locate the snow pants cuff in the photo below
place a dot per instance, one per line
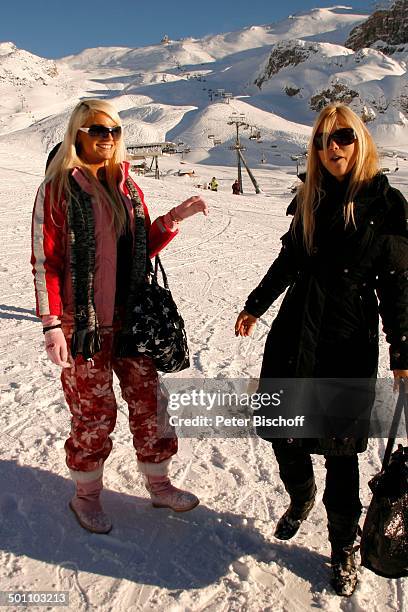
(154, 469)
(78, 476)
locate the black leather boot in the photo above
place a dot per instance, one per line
(302, 498)
(342, 533)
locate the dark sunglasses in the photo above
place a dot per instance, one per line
(343, 136)
(102, 131)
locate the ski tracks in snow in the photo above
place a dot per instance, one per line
(222, 556)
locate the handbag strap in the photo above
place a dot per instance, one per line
(141, 240)
(158, 264)
(402, 404)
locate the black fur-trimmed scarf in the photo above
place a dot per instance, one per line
(86, 338)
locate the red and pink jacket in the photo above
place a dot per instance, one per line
(50, 255)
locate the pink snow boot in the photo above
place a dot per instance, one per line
(164, 495)
(87, 508)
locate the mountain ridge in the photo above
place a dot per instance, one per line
(170, 89)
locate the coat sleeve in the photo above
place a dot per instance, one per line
(47, 253)
(159, 235)
(392, 283)
(279, 276)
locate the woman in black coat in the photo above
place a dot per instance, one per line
(345, 260)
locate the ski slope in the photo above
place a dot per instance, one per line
(222, 555)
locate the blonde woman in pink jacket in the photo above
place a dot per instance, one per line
(83, 254)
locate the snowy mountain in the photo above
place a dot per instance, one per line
(19, 67)
(317, 22)
(313, 74)
(280, 73)
(388, 26)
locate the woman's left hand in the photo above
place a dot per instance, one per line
(400, 375)
(190, 207)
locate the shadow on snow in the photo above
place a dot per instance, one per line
(146, 545)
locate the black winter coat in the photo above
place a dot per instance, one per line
(327, 325)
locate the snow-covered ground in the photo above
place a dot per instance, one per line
(222, 556)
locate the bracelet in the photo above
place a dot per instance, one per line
(50, 327)
(168, 222)
(173, 215)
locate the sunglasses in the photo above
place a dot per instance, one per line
(102, 131)
(343, 136)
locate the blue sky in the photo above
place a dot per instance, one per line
(54, 28)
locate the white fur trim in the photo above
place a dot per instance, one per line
(86, 476)
(154, 469)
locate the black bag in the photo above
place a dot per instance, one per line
(156, 327)
(384, 541)
(153, 326)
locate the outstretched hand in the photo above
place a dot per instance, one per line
(191, 207)
(245, 324)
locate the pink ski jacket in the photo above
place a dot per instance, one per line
(50, 257)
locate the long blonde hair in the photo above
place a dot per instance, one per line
(67, 158)
(366, 166)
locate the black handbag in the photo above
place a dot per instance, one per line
(153, 326)
(384, 540)
(156, 326)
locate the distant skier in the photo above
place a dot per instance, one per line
(235, 188)
(345, 260)
(86, 232)
(214, 184)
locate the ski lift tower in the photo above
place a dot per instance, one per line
(239, 121)
(300, 160)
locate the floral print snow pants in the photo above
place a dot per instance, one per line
(89, 393)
